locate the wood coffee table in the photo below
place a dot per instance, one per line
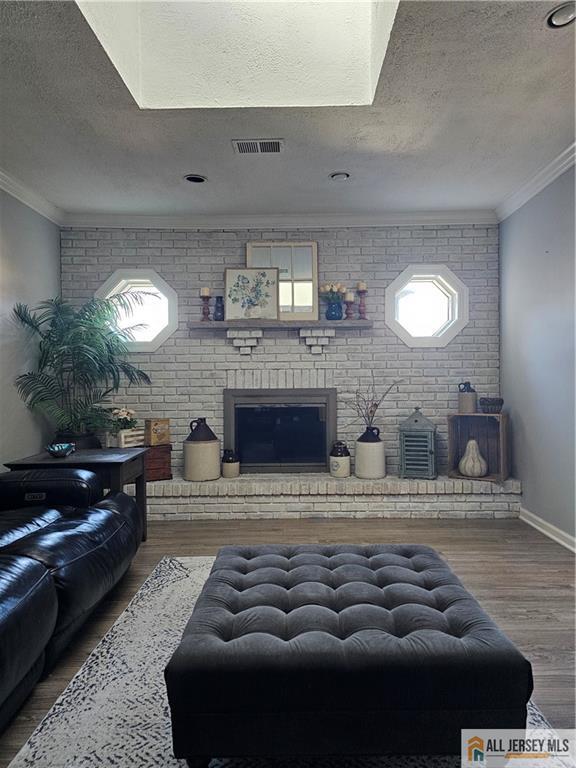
(115, 467)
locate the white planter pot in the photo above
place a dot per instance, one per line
(370, 462)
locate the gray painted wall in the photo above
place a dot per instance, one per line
(537, 337)
(29, 272)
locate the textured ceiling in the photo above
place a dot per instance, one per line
(473, 99)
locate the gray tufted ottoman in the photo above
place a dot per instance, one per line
(339, 650)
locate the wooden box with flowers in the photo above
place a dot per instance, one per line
(124, 433)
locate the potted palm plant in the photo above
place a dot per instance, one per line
(82, 361)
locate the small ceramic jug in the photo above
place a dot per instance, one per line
(466, 398)
(473, 464)
(340, 460)
(230, 464)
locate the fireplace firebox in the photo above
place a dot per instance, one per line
(280, 430)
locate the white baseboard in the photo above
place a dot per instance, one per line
(553, 532)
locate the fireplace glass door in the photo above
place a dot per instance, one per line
(280, 433)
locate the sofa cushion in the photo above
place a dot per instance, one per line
(17, 523)
(28, 610)
(53, 487)
(86, 552)
(331, 628)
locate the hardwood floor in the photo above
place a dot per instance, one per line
(524, 580)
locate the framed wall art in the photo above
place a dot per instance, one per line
(251, 294)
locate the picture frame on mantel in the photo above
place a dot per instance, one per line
(251, 294)
(297, 263)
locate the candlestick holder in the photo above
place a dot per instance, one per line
(205, 308)
(349, 310)
(362, 305)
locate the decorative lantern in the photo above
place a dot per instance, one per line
(417, 447)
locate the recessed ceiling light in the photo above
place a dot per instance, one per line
(340, 176)
(562, 15)
(195, 178)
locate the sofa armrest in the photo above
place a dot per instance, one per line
(49, 487)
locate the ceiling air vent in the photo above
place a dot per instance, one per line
(258, 146)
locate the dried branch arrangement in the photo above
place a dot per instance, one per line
(366, 402)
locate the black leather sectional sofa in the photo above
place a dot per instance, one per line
(62, 548)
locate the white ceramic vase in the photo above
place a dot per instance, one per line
(473, 464)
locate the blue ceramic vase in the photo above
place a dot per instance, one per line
(334, 310)
(219, 308)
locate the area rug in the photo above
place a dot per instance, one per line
(114, 713)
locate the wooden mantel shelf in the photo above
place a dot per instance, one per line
(246, 334)
(279, 325)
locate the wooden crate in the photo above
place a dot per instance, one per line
(158, 463)
(490, 430)
(157, 431)
(131, 438)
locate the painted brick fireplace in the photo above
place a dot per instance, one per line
(191, 370)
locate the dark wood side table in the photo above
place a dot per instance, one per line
(115, 467)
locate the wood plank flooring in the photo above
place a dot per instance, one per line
(524, 580)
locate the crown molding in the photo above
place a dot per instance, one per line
(537, 183)
(516, 200)
(25, 195)
(281, 221)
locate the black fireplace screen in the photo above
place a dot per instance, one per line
(279, 430)
(281, 434)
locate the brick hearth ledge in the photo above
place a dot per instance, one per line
(317, 495)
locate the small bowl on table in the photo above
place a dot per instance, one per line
(491, 404)
(60, 450)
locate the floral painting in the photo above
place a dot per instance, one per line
(252, 294)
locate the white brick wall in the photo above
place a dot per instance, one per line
(189, 372)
